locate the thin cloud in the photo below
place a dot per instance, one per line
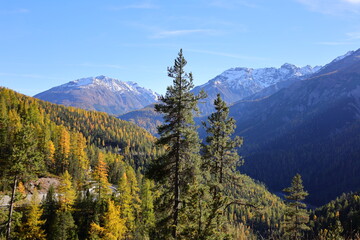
(333, 7)
(15, 11)
(352, 1)
(176, 33)
(225, 54)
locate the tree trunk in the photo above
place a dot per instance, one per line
(177, 191)
(8, 228)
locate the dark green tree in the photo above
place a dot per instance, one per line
(221, 161)
(296, 215)
(50, 206)
(64, 227)
(178, 168)
(146, 221)
(24, 163)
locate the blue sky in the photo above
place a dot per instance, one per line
(47, 43)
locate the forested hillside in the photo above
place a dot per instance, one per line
(87, 152)
(110, 179)
(146, 118)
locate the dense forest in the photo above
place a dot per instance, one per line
(110, 179)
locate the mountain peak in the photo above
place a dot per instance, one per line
(343, 56)
(288, 65)
(259, 78)
(101, 93)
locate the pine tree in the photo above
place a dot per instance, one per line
(178, 168)
(296, 215)
(220, 160)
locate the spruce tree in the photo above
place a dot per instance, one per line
(220, 160)
(178, 168)
(296, 215)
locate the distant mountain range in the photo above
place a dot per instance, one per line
(101, 94)
(234, 84)
(116, 97)
(238, 83)
(312, 127)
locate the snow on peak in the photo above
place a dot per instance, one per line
(257, 79)
(112, 84)
(343, 56)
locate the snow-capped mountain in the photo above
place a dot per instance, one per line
(238, 83)
(100, 93)
(311, 126)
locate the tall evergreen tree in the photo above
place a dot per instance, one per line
(220, 160)
(296, 215)
(24, 162)
(49, 205)
(178, 168)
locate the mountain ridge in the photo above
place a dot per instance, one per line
(312, 124)
(100, 93)
(238, 83)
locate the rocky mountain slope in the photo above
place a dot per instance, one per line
(101, 94)
(238, 83)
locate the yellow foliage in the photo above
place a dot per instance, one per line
(32, 227)
(100, 176)
(51, 151)
(113, 226)
(67, 193)
(21, 189)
